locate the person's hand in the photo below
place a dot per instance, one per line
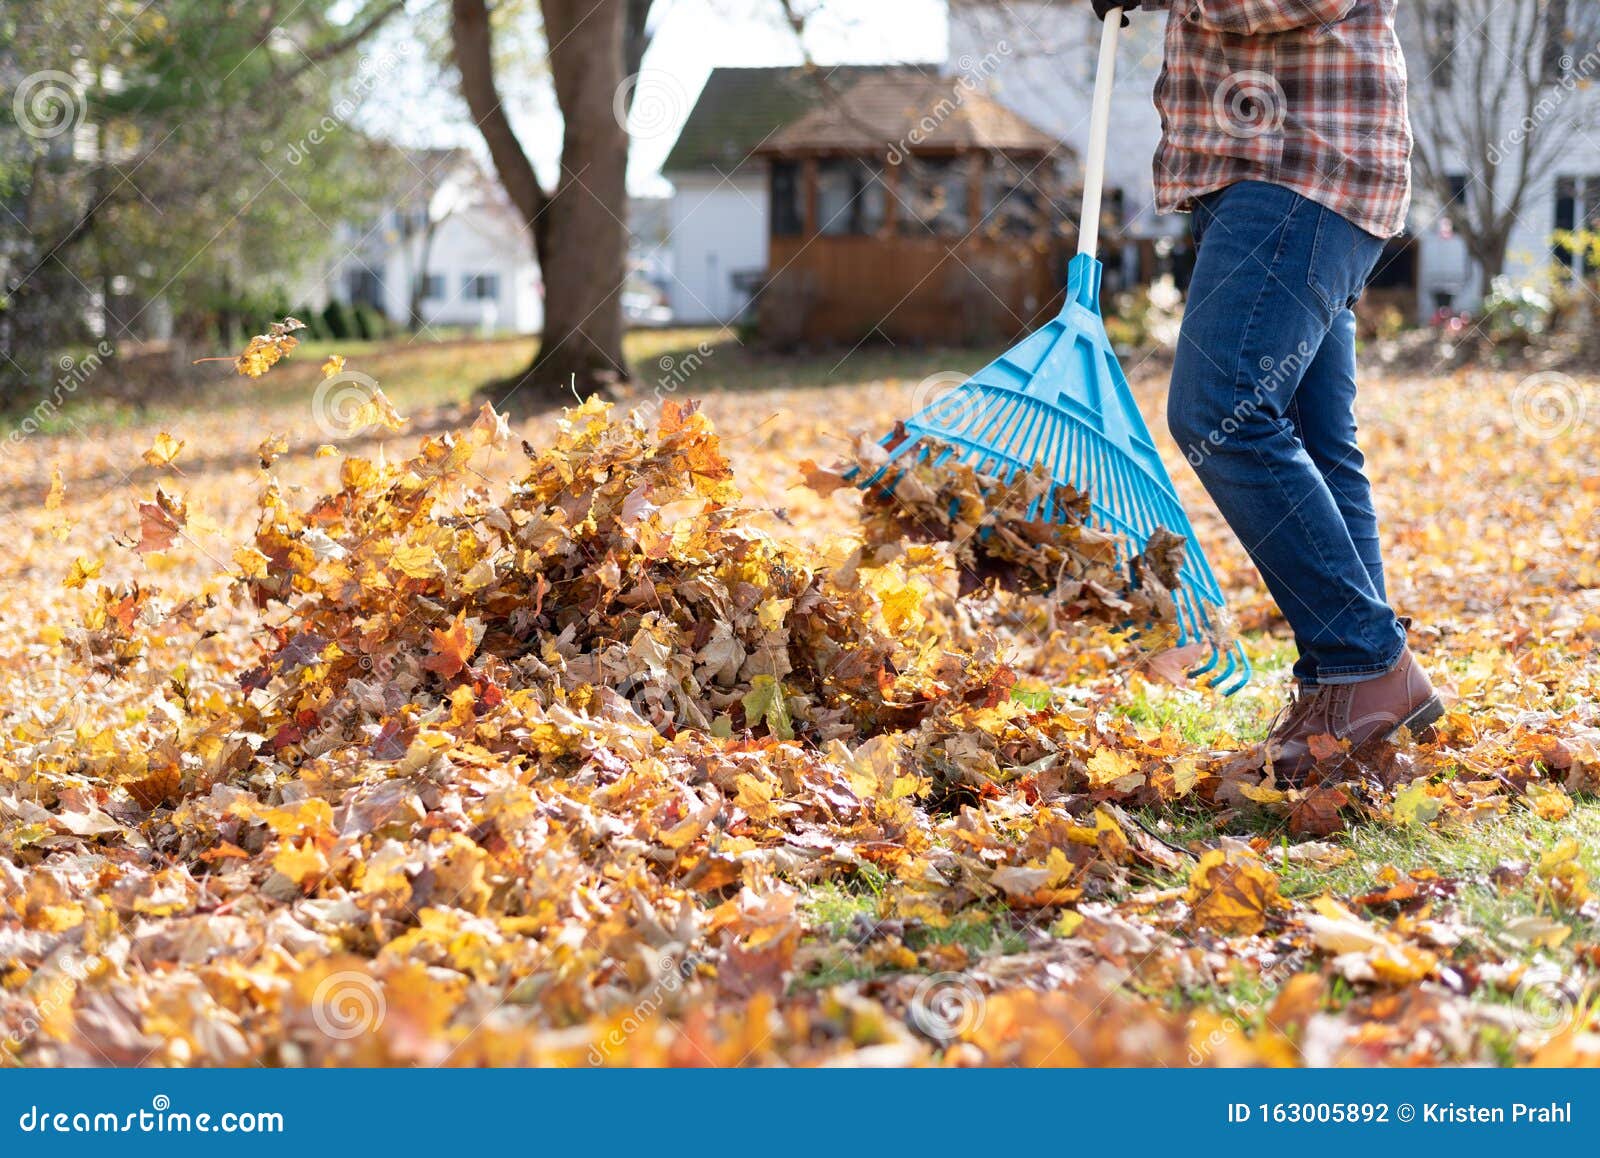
(1103, 7)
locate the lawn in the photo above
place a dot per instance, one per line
(1437, 909)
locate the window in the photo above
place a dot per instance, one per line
(1566, 216)
(1455, 209)
(933, 192)
(1013, 205)
(1577, 208)
(851, 199)
(788, 215)
(432, 286)
(481, 287)
(363, 287)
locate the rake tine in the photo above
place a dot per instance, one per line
(1208, 666)
(1000, 421)
(1227, 672)
(1045, 505)
(1058, 399)
(1242, 670)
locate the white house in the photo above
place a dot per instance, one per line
(455, 238)
(1475, 48)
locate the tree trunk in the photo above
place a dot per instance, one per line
(1489, 250)
(579, 230)
(419, 278)
(587, 264)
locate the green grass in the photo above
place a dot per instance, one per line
(1466, 855)
(836, 915)
(1205, 721)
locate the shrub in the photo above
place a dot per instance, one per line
(1147, 317)
(370, 325)
(316, 329)
(1514, 313)
(336, 321)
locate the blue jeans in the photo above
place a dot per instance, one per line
(1263, 405)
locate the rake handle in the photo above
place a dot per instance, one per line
(1094, 172)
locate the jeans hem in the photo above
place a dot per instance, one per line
(1360, 675)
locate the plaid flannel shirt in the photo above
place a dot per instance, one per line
(1307, 94)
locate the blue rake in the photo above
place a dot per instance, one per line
(1059, 397)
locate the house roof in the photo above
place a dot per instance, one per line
(913, 113)
(741, 108)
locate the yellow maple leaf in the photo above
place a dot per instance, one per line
(252, 563)
(902, 598)
(264, 351)
(416, 561)
(1231, 893)
(333, 365)
(374, 410)
(1107, 766)
(1548, 801)
(312, 814)
(82, 571)
(62, 527)
(765, 702)
(271, 448)
(1414, 804)
(754, 795)
(164, 450)
(358, 473)
(300, 861)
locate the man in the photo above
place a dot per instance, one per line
(1285, 134)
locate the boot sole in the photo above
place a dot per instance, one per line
(1420, 722)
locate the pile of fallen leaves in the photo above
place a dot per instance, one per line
(622, 560)
(444, 773)
(1028, 534)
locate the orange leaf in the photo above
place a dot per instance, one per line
(452, 648)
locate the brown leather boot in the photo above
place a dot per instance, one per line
(1363, 713)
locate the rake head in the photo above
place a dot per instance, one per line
(1059, 398)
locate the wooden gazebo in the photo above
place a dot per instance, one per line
(912, 208)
